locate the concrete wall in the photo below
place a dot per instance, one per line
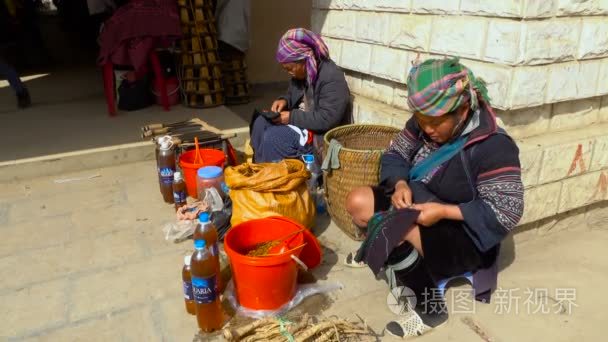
(269, 20)
(545, 62)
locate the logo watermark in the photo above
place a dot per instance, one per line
(532, 301)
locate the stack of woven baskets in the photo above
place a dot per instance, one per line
(234, 71)
(362, 147)
(201, 75)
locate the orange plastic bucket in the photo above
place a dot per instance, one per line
(210, 156)
(263, 283)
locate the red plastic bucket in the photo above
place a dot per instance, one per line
(263, 283)
(210, 156)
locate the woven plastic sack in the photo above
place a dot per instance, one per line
(270, 189)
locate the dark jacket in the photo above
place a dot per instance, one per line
(332, 106)
(484, 180)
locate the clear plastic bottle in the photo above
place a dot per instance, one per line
(204, 270)
(314, 181)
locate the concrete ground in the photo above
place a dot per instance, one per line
(69, 113)
(86, 260)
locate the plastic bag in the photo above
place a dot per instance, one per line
(270, 189)
(221, 219)
(212, 197)
(303, 291)
(179, 231)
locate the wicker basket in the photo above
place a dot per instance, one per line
(362, 147)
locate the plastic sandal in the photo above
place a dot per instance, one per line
(416, 322)
(409, 326)
(350, 261)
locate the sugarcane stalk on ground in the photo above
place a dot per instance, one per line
(236, 334)
(305, 335)
(161, 125)
(169, 130)
(185, 123)
(186, 138)
(189, 122)
(297, 327)
(189, 127)
(274, 329)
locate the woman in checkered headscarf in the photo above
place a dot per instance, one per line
(317, 100)
(305, 49)
(439, 86)
(450, 191)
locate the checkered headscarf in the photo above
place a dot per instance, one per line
(439, 86)
(302, 44)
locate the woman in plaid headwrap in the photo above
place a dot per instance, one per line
(454, 177)
(317, 100)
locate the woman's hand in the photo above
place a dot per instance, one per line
(402, 197)
(278, 105)
(430, 213)
(282, 119)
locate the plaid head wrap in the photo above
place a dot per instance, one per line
(439, 86)
(301, 44)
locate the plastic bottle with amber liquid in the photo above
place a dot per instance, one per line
(159, 143)
(179, 190)
(204, 271)
(187, 282)
(166, 168)
(206, 230)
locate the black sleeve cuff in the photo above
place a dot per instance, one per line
(282, 97)
(389, 184)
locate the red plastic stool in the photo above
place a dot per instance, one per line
(110, 88)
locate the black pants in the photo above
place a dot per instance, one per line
(448, 249)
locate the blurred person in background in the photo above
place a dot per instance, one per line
(9, 31)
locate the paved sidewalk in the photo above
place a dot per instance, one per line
(86, 261)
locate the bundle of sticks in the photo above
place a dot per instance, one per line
(308, 329)
(185, 131)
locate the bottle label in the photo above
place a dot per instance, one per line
(215, 251)
(179, 197)
(204, 289)
(188, 291)
(166, 175)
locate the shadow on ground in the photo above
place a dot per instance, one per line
(69, 113)
(507, 253)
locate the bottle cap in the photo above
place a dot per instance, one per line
(203, 217)
(187, 259)
(209, 172)
(200, 244)
(160, 140)
(177, 176)
(166, 144)
(308, 158)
